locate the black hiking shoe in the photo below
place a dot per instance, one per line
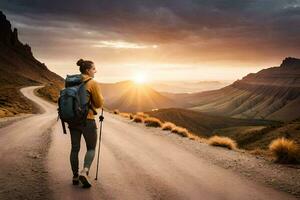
(75, 180)
(84, 179)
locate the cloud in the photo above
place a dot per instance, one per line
(122, 45)
(185, 31)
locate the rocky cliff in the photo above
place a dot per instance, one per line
(19, 68)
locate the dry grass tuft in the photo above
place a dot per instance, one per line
(168, 126)
(286, 151)
(180, 131)
(222, 142)
(141, 114)
(124, 114)
(153, 122)
(116, 111)
(195, 137)
(138, 119)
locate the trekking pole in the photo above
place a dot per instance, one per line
(101, 120)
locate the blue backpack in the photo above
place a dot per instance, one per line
(73, 106)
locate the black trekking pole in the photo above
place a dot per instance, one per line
(101, 118)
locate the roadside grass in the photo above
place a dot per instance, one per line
(124, 114)
(286, 151)
(138, 119)
(152, 122)
(194, 136)
(225, 142)
(141, 114)
(180, 131)
(168, 126)
(141, 117)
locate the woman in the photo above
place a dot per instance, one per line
(89, 131)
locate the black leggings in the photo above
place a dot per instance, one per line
(90, 136)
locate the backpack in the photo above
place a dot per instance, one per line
(73, 106)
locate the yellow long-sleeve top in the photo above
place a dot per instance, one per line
(97, 100)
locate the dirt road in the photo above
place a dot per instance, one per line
(135, 164)
(23, 149)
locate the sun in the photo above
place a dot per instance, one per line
(140, 78)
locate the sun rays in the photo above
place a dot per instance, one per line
(140, 78)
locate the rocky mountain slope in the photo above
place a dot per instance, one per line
(272, 93)
(19, 68)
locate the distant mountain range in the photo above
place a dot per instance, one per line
(130, 97)
(272, 93)
(187, 86)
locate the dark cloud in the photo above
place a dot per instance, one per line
(196, 25)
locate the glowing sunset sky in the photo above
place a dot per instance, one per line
(166, 39)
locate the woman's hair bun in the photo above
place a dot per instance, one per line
(80, 62)
(84, 65)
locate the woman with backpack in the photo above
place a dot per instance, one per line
(89, 129)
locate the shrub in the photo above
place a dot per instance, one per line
(200, 139)
(116, 111)
(286, 151)
(222, 142)
(138, 119)
(126, 115)
(141, 114)
(153, 122)
(194, 136)
(168, 126)
(180, 131)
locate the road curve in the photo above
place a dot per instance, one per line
(19, 132)
(22, 150)
(134, 164)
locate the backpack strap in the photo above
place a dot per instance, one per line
(90, 106)
(62, 122)
(87, 80)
